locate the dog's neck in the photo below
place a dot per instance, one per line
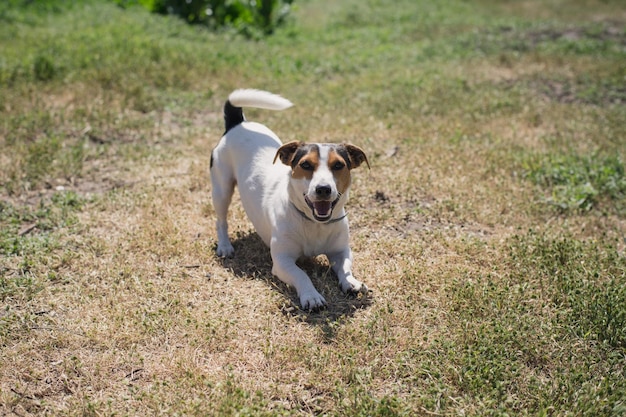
(303, 214)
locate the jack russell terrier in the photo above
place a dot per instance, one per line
(296, 206)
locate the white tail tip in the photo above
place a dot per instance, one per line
(258, 98)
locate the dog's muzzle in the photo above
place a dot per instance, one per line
(322, 210)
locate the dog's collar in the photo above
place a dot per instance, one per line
(303, 214)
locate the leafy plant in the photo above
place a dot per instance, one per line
(43, 68)
(250, 17)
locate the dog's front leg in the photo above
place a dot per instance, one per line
(287, 271)
(341, 263)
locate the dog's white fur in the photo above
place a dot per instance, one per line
(275, 198)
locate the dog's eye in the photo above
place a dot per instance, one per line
(338, 166)
(306, 165)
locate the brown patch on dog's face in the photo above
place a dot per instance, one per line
(305, 161)
(339, 166)
(301, 157)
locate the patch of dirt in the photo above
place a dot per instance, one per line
(568, 91)
(608, 91)
(81, 186)
(613, 31)
(419, 216)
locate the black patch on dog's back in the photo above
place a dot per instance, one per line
(232, 116)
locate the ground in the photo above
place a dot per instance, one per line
(490, 228)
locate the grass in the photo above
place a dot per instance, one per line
(579, 182)
(490, 227)
(522, 342)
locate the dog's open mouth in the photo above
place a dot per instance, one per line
(322, 210)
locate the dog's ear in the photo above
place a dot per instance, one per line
(286, 152)
(356, 155)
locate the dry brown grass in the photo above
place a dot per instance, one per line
(146, 319)
(144, 304)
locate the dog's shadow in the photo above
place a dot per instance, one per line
(252, 260)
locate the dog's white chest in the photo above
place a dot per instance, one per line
(324, 239)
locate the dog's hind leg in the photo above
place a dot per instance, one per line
(222, 191)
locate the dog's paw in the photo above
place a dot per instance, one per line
(225, 250)
(312, 301)
(351, 285)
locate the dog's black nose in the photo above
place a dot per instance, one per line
(323, 191)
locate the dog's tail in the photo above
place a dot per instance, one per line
(233, 113)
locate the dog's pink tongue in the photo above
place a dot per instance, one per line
(322, 208)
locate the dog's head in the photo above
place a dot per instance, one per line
(320, 174)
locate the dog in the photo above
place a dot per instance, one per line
(295, 205)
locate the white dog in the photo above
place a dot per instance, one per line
(296, 206)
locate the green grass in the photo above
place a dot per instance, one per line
(46, 217)
(579, 183)
(526, 335)
(490, 227)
